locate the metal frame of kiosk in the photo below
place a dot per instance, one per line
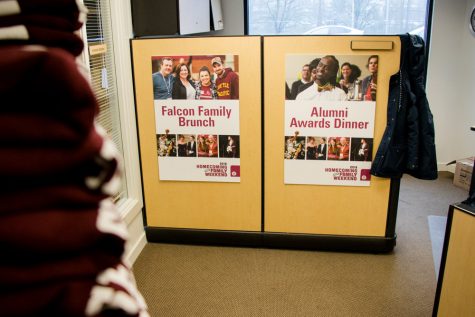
(257, 217)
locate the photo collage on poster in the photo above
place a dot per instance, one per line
(196, 101)
(328, 148)
(201, 145)
(329, 118)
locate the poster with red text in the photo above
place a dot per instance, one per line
(329, 119)
(196, 101)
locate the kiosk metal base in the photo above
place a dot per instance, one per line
(271, 240)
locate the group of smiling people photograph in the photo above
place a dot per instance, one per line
(330, 77)
(199, 77)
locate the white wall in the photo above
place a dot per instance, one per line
(451, 81)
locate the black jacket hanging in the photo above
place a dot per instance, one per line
(408, 144)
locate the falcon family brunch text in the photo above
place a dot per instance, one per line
(184, 115)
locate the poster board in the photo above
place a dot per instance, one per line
(216, 200)
(321, 209)
(329, 120)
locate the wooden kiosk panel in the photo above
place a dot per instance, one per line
(322, 209)
(456, 282)
(192, 204)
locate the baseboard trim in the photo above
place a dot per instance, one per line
(271, 240)
(136, 249)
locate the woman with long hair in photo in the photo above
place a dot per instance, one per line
(181, 145)
(311, 148)
(183, 87)
(212, 146)
(333, 152)
(202, 146)
(349, 73)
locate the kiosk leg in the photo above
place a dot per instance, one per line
(392, 208)
(471, 193)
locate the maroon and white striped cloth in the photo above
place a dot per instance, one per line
(73, 10)
(43, 22)
(61, 235)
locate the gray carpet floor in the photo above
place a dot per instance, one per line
(181, 280)
(437, 226)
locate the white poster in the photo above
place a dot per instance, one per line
(196, 100)
(329, 119)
